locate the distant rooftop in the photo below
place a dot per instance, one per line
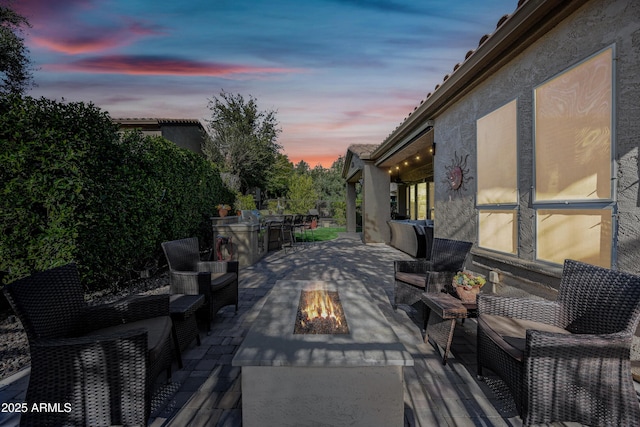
(185, 133)
(153, 120)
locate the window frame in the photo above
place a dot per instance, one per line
(609, 203)
(508, 206)
(578, 202)
(576, 207)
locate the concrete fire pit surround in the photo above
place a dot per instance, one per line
(342, 379)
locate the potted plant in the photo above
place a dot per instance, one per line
(467, 285)
(223, 209)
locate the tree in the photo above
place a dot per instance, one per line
(15, 65)
(302, 167)
(278, 176)
(242, 140)
(329, 183)
(302, 196)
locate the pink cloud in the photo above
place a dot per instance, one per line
(84, 39)
(64, 26)
(77, 45)
(143, 65)
(92, 41)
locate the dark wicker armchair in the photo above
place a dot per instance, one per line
(566, 360)
(412, 278)
(216, 280)
(99, 363)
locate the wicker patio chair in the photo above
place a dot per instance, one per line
(216, 280)
(566, 360)
(98, 363)
(412, 278)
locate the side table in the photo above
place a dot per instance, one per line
(185, 326)
(442, 311)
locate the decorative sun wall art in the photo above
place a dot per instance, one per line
(457, 173)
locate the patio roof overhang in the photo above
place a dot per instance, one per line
(416, 144)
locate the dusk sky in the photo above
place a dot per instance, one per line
(338, 72)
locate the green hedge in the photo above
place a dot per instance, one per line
(73, 189)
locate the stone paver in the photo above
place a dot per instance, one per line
(207, 391)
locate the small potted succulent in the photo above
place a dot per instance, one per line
(467, 285)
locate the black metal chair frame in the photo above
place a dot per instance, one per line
(309, 224)
(288, 237)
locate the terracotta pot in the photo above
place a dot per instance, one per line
(467, 294)
(223, 212)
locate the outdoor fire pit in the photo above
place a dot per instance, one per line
(320, 312)
(321, 353)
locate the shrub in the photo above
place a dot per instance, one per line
(74, 190)
(274, 206)
(244, 202)
(339, 212)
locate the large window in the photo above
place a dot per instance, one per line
(411, 197)
(422, 200)
(573, 193)
(573, 133)
(497, 185)
(583, 234)
(498, 157)
(432, 200)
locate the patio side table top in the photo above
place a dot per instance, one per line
(182, 306)
(442, 311)
(447, 306)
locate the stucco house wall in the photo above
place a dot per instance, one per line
(593, 27)
(185, 133)
(188, 136)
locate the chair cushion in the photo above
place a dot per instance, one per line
(414, 279)
(510, 333)
(220, 280)
(158, 330)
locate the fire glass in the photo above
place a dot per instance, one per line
(320, 312)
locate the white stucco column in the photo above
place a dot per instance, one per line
(377, 209)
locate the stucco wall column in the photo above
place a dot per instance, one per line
(377, 209)
(351, 207)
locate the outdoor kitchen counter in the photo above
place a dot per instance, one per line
(370, 342)
(244, 237)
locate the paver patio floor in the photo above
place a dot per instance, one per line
(435, 395)
(207, 390)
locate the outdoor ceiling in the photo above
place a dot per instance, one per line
(421, 146)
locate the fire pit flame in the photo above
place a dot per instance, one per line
(320, 312)
(318, 304)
